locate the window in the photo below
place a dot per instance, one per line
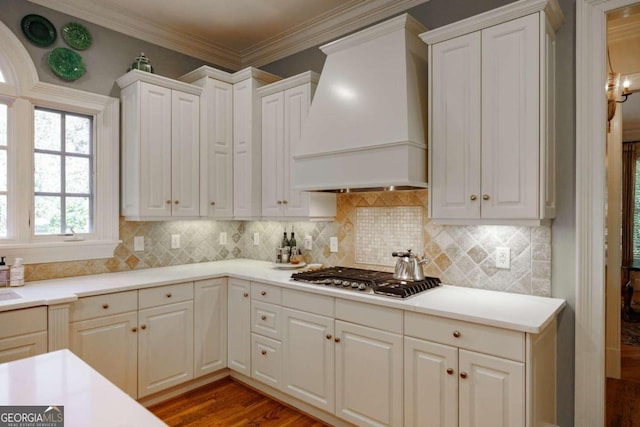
(58, 165)
(63, 173)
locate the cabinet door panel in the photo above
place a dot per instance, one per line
(272, 154)
(165, 347)
(296, 109)
(492, 394)
(368, 375)
(110, 345)
(455, 149)
(185, 163)
(239, 318)
(22, 346)
(216, 148)
(210, 326)
(155, 150)
(510, 119)
(431, 393)
(308, 355)
(266, 360)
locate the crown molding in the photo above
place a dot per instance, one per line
(350, 16)
(288, 83)
(144, 29)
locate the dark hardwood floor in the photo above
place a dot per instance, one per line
(229, 403)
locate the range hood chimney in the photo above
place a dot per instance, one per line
(366, 128)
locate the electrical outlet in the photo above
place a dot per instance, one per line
(503, 257)
(223, 238)
(256, 239)
(333, 244)
(138, 243)
(307, 243)
(175, 241)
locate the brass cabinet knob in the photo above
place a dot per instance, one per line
(263, 317)
(264, 352)
(134, 329)
(337, 339)
(456, 334)
(177, 202)
(168, 202)
(143, 327)
(168, 294)
(449, 371)
(263, 293)
(105, 306)
(473, 197)
(212, 203)
(279, 202)
(463, 375)
(485, 197)
(245, 294)
(284, 202)
(329, 336)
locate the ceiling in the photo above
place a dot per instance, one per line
(233, 33)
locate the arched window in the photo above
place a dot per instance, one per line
(58, 165)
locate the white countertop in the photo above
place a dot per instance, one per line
(523, 313)
(60, 378)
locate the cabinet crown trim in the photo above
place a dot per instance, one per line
(288, 83)
(134, 76)
(511, 11)
(214, 73)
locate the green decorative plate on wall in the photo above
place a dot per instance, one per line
(66, 63)
(76, 36)
(38, 30)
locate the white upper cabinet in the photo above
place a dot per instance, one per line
(492, 142)
(160, 147)
(285, 106)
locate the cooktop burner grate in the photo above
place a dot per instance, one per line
(369, 281)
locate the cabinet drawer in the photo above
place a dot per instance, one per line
(375, 316)
(471, 336)
(266, 293)
(266, 360)
(103, 305)
(162, 295)
(266, 319)
(20, 322)
(305, 301)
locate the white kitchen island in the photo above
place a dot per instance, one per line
(61, 378)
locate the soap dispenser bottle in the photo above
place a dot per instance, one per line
(16, 273)
(4, 273)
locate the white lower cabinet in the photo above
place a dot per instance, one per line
(308, 356)
(239, 330)
(210, 326)
(23, 333)
(165, 343)
(266, 360)
(368, 375)
(103, 333)
(449, 384)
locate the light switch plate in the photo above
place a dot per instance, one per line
(223, 238)
(503, 257)
(175, 241)
(138, 243)
(307, 242)
(333, 244)
(256, 239)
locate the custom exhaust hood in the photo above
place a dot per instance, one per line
(367, 124)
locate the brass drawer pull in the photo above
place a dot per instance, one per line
(105, 306)
(337, 339)
(168, 294)
(264, 317)
(168, 202)
(463, 375)
(212, 203)
(485, 197)
(245, 294)
(143, 327)
(134, 329)
(457, 334)
(329, 336)
(263, 293)
(449, 371)
(473, 197)
(264, 352)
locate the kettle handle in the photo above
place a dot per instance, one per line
(401, 254)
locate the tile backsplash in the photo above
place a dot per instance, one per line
(369, 226)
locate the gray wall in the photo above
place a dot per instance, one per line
(436, 13)
(112, 53)
(109, 56)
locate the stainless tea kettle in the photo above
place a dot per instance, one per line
(408, 266)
